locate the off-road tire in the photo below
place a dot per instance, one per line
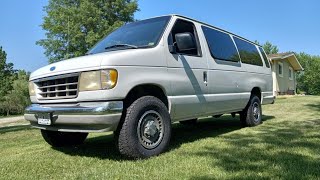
(248, 117)
(127, 135)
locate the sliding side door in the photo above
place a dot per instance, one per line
(225, 75)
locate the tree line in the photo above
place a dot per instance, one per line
(308, 81)
(14, 95)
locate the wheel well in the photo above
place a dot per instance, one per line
(145, 90)
(256, 91)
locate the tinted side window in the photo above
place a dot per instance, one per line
(220, 44)
(248, 52)
(266, 61)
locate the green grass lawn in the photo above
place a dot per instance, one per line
(285, 146)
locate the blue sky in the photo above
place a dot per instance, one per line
(293, 25)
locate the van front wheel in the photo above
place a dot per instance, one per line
(252, 114)
(146, 129)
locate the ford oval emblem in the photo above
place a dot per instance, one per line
(52, 68)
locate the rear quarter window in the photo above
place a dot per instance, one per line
(249, 54)
(221, 45)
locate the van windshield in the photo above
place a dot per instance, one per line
(140, 34)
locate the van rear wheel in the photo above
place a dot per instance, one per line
(146, 129)
(252, 114)
(60, 139)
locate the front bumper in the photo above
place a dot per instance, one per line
(80, 117)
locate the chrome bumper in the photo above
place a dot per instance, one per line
(81, 117)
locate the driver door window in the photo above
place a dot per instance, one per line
(182, 26)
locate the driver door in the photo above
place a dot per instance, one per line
(188, 70)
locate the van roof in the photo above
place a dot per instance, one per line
(215, 28)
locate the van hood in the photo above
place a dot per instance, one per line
(129, 57)
(84, 63)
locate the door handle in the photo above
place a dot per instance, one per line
(205, 78)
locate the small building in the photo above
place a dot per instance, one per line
(284, 69)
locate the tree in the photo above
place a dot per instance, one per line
(17, 99)
(6, 72)
(270, 48)
(14, 95)
(74, 26)
(309, 79)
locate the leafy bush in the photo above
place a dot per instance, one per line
(309, 79)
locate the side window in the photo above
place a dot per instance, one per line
(182, 26)
(264, 56)
(248, 52)
(280, 69)
(221, 45)
(290, 73)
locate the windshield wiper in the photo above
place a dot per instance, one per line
(122, 45)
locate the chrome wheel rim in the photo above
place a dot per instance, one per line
(256, 112)
(150, 129)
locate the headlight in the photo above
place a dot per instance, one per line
(90, 81)
(96, 80)
(32, 91)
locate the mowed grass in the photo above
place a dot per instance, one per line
(285, 146)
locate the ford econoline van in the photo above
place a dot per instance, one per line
(145, 76)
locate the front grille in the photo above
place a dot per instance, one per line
(58, 87)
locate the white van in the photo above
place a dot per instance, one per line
(146, 75)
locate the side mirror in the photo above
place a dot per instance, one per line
(185, 41)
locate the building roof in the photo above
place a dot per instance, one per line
(280, 55)
(290, 57)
